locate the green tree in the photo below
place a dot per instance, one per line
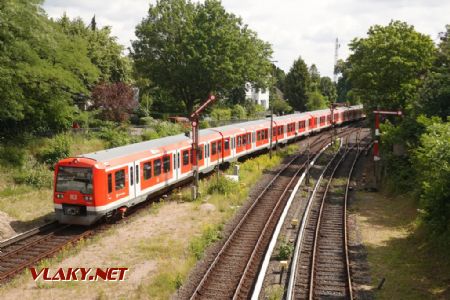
(315, 78)
(238, 112)
(280, 106)
(316, 101)
(103, 49)
(145, 105)
(297, 85)
(432, 163)
(191, 49)
(40, 70)
(328, 89)
(434, 97)
(387, 66)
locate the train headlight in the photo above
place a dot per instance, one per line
(87, 198)
(59, 196)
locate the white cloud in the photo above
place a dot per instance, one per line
(293, 27)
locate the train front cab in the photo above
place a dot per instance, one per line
(74, 191)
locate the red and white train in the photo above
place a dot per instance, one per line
(92, 186)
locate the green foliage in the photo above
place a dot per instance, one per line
(328, 89)
(40, 69)
(254, 110)
(12, 155)
(221, 114)
(238, 112)
(386, 67)
(210, 235)
(210, 50)
(432, 163)
(285, 250)
(145, 105)
(316, 101)
(57, 149)
(159, 129)
(434, 97)
(280, 106)
(314, 74)
(102, 48)
(222, 185)
(115, 137)
(35, 174)
(297, 85)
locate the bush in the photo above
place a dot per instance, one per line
(209, 236)
(115, 137)
(12, 156)
(285, 250)
(238, 112)
(222, 185)
(221, 114)
(58, 148)
(149, 134)
(34, 174)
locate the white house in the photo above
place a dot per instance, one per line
(259, 96)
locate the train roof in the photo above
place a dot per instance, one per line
(182, 140)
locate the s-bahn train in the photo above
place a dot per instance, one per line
(98, 185)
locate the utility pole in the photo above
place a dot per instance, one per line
(195, 140)
(336, 56)
(271, 133)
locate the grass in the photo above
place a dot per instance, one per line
(173, 258)
(27, 205)
(400, 249)
(176, 264)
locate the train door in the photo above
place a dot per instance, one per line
(135, 175)
(249, 141)
(131, 180)
(226, 147)
(185, 160)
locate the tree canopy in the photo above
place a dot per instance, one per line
(40, 70)
(387, 66)
(296, 85)
(191, 49)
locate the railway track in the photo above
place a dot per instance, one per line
(232, 272)
(27, 249)
(320, 266)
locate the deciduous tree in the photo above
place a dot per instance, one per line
(297, 85)
(115, 100)
(191, 49)
(387, 66)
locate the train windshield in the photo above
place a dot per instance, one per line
(74, 179)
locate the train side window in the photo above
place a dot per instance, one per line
(137, 174)
(119, 179)
(131, 176)
(166, 164)
(178, 160)
(227, 144)
(200, 153)
(219, 146)
(109, 183)
(147, 170)
(174, 161)
(185, 157)
(213, 148)
(157, 167)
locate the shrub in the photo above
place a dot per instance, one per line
(12, 156)
(209, 236)
(221, 114)
(285, 250)
(222, 185)
(238, 112)
(149, 134)
(34, 174)
(115, 137)
(58, 148)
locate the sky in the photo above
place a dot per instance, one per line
(294, 28)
